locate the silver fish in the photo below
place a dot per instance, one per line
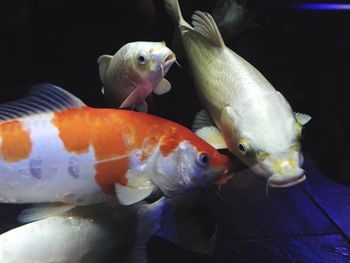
(253, 120)
(135, 71)
(104, 232)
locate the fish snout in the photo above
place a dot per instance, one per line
(225, 172)
(286, 177)
(227, 175)
(168, 59)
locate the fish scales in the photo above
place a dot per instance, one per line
(78, 155)
(253, 120)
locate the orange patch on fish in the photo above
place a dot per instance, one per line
(148, 147)
(81, 128)
(15, 141)
(111, 172)
(169, 143)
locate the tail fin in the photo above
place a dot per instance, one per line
(173, 8)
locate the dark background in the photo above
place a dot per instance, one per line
(304, 54)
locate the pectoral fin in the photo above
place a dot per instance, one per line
(137, 96)
(128, 196)
(302, 118)
(213, 136)
(41, 211)
(163, 87)
(103, 62)
(202, 119)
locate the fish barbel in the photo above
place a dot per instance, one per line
(253, 120)
(135, 71)
(54, 148)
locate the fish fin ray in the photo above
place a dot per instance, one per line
(42, 97)
(174, 10)
(302, 118)
(134, 98)
(103, 64)
(213, 136)
(163, 87)
(128, 196)
(202, 119)
(205, 25)
(42, 211)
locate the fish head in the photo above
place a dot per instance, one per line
(192, 164)
(271, 149)
(280, 169)
(151, 60)
(280, 165)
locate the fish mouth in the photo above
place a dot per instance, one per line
(227, 175)
(276, 182)
(168, 60)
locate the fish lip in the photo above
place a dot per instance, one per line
(286, 183)
(168, 60)
(226, 176)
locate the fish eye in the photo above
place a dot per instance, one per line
(142, 58)
(243, 146)
(203, 159)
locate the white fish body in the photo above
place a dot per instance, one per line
(256, 122)
(105, 233)
(92, 234)
(135, 71)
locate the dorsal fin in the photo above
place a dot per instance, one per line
(205, 25)
(43, 97)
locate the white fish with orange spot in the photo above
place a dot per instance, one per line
(244, 112)
(135, 71)
(55, 149)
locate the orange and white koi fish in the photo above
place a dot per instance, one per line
(54, 148)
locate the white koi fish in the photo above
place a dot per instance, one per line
(135, 71)
(253, 120)
(105, 232)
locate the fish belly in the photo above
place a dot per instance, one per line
(48, 173)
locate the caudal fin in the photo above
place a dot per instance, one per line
(173, 8)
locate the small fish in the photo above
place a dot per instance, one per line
(54, 148)
(135, 71)
(100, 233)
(247, 115)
